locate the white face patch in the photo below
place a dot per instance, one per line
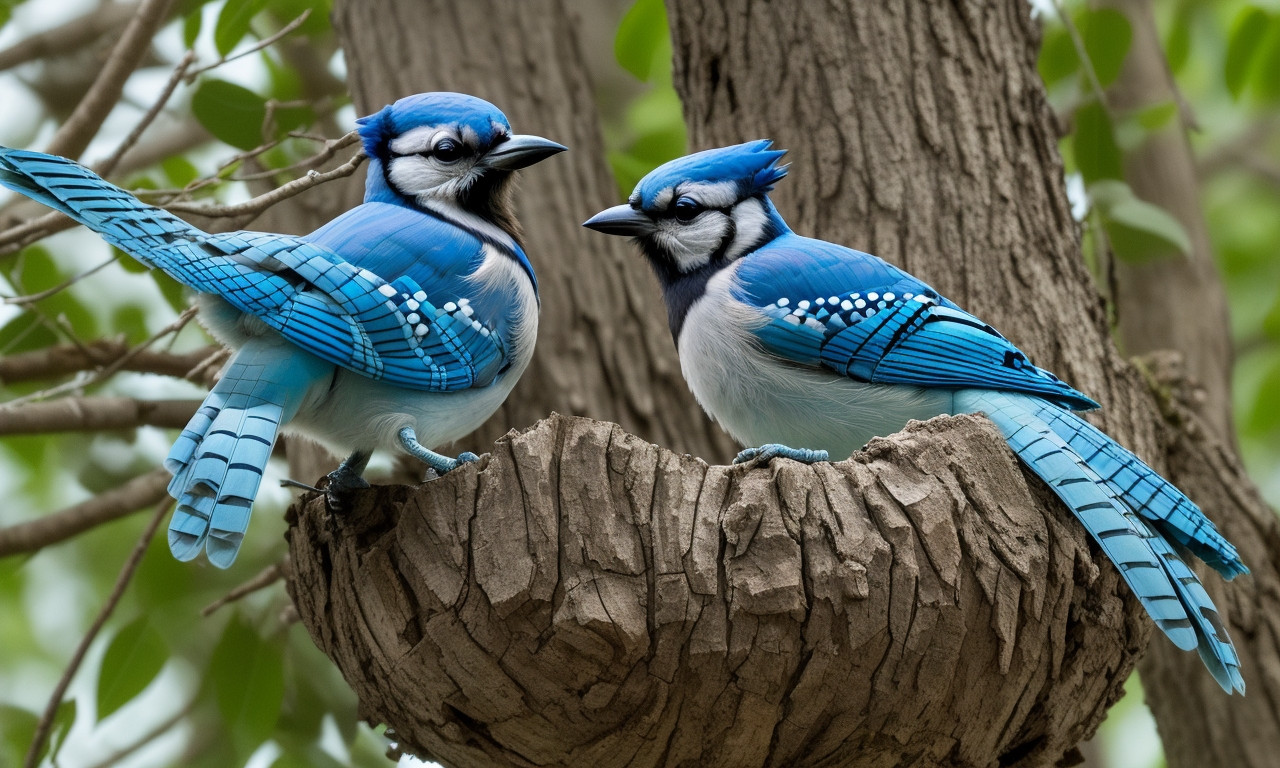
(425, 178)
(690, 246)
(749, 220)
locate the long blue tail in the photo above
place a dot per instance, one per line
(1108, 492)
(218, 460)
(118, 216)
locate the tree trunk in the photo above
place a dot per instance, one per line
(924, 137)
(584, 598)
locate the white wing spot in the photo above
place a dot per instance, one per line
(803, 304)
(873, 296)
(386, 290)
(412, 305)
(450, 307)
(421, 330)
(846, 305)
(860, 304)
(413, 319)
(420, 295)
(463, 302)
(888, 297)
(782, 302)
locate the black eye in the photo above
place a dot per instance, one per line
(447, 151)
(687, 209)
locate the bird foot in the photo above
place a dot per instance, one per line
(769, 451)
(436, 462)
(342, 482)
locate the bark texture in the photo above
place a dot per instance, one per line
(584, 598)
(923, 136)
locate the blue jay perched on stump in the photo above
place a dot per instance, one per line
(803, 349)
(400, 325)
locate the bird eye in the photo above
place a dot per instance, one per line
(687, 209)
(447, 151)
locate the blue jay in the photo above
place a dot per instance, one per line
(400, 325)
(788, 341)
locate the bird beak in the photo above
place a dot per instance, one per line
(620, 220)
(521, 151)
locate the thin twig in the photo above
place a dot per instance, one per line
(32, 298)
(70, 37)
(122, 582)
(257, 205)
(258, 46)
(74, 134)
(1083, 54)
(265, 578)
(90, 414)
(107, 166)
(160, 729)
(32, 536)
(17, 237)
(111, 369)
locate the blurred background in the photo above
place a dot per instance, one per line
(163, 684)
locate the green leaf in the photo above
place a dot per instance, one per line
(179, 170)
(1058, 58)
(1155, 117)
(133, 659)
(17, 728)
(64, 717)
(1266, 72)
(233, 23)
(248, 678)
(1247, 32)
(305, 756)
(1265, 417)
(1107, 37)
(191, 24)
(642, 37)
(1094, 144)
(1271, 323)
(233, 114)
(1137, 229)
(1177, 45)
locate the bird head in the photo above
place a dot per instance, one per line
(698, 213)
(449, 152)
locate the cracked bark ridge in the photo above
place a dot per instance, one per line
(582, 597)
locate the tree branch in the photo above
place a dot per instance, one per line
(141, 491)
(74, 134)
(72, 36)
(53, 362)
(84, 414)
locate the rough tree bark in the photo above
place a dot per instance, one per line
(925, 138)
(582, 597)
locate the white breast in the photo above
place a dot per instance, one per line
(759, 398)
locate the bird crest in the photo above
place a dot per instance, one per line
(438, 108)
(753, 166)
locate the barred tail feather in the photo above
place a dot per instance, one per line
(218, 460)
(1145, 491)
(1169, 591)
(68, 187)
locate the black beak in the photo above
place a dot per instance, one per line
(620, 220)
(521, 152)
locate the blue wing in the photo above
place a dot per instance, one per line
(855, 314)
(409, 322)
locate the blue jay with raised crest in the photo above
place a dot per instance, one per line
(400, 325)
(803, 349)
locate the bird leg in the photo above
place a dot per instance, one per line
(346, 479)
(770, 451)
(441, 464)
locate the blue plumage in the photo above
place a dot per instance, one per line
(789, 341)
(402, 322)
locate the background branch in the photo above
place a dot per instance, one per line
(83, 414)
(141, 491)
